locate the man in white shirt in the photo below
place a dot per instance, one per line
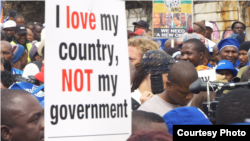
(181, 75)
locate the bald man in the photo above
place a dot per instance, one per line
(19, 19)
(6, 51)
(21, 116)
(142, 120)
(177, 92)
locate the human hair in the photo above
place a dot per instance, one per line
(198, 44)
(143, 45)
(18, 17)
(182, 72)
(30, 23)
(7, 78)
(7, 65)
(7, 104)
(151, 136)
(233, 107)
(37, 24)
(245, 75)
(177, 15)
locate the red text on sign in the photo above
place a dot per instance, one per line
(67, 79)
(75, 18)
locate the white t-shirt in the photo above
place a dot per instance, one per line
(136, 95)
(157, 105)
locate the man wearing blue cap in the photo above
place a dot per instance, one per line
(229, 49)
(20, 57)
(226, 68)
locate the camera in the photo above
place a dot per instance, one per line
(31, 79)
(209, 108)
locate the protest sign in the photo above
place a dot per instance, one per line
(87, 71)
(171, 18)
(207, 75)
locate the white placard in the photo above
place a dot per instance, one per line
(87, 71)
(207, 75)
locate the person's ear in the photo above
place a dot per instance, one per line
(205, 61)
(201, 55)
(6, 133)
(169, 85)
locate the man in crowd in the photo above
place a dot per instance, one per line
(177, 90)
(200, 27)
(238, 28)
(12, 14)
(233, 108)
(244, 48)
(30, 36)
(209, 30)
(8, 55)
(153, 62)
(229, 49)
(37, 29)
(20, 37)
(20, 57)
(193, 50)
(141, 25)
(19, 19)
(21, 116)
(7, 79)
(30, 25)
(142, 120)
(9, 28)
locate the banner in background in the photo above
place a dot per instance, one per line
(171, 18)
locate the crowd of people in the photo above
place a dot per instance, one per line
(160, 79)
(179, 64)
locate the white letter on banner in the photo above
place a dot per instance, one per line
(180, 134)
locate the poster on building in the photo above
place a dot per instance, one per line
(171, 18)
(87, 71)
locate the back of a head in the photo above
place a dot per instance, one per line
(18, 17)
(12, 13)
(233, 107)
(245, 75)
(182, 72)
(167, 44)
(141, 120)
(7, 103)
(7, 78)
(37, 24)
(151, 136)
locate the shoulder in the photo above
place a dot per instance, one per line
(148, 104)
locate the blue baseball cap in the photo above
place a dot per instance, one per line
(226, 65)
(185, 116)
(228, 42)
(18, 52)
